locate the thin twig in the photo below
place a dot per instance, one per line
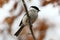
(28, 19)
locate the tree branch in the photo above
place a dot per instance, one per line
(28, 19)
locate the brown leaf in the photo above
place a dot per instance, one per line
(9, 20)
(42, 35)
(45, 2)
(3, 2)
(15, 5)
(29, 37)
(41, 27)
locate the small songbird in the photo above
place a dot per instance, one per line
(33, 13)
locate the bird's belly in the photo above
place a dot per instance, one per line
(32, 18)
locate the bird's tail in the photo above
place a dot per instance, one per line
(20, 29)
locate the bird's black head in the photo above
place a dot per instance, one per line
(35, 8)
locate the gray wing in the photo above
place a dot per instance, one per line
(21, 21)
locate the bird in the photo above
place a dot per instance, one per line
(33, 13)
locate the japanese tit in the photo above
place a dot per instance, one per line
(33, 13)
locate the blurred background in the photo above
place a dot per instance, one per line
(46, 27)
